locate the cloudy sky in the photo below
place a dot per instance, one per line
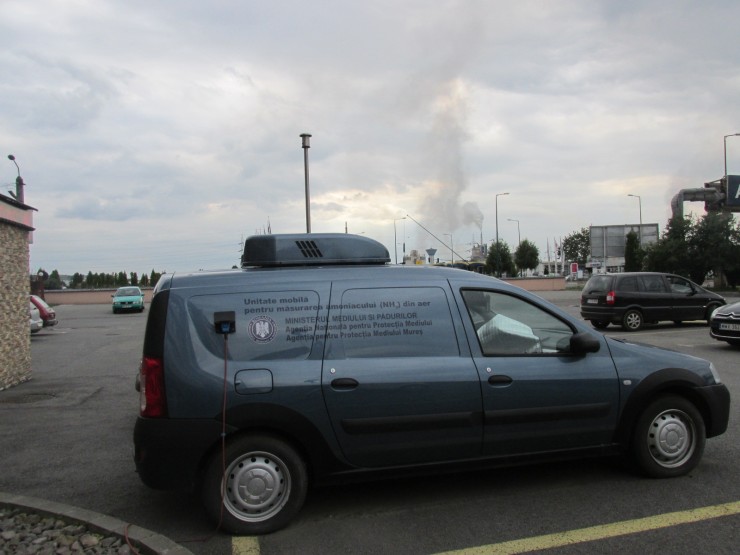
(159, 134)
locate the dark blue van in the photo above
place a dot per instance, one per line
(318, 361)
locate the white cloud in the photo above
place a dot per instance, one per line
(161, 133)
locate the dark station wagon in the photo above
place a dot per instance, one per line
(319, 361)
(632, 299)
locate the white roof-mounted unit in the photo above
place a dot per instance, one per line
(312, 249)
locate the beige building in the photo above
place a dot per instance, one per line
(16, 227)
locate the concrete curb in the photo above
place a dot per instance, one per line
(144, 540)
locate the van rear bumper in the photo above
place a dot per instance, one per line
(169, 452)
(602, 314)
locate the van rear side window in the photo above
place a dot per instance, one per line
(395, 322)
(270, 325)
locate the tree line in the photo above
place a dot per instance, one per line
(92, 280)
(691, 247)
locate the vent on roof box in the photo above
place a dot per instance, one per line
(303, 249)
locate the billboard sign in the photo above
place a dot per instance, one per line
(733, 192)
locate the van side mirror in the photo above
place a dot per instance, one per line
(582, 343)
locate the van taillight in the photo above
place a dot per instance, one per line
(152, 395)
(611, 297)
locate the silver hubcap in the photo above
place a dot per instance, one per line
(671, 438)
(633, 320)
(257, 486)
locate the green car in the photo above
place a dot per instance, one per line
(128, 298)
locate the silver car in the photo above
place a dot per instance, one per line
(36, 322)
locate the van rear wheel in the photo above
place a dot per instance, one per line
(600, 324)
(262, 489)
(632, 320)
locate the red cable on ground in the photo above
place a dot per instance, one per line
(128, 540)
(223, 447)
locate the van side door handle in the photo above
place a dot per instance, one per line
(500, 380)
(344, 383)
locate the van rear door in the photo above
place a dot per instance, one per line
(398, 387)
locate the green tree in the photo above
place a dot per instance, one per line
(144, 281)
(527, 256)
(577, 246)
(133, 278)
(695, 248)
(632, 253)
(499, 260)
(54, 281)
(713, 246)
(671, 253)
(154, 278)
(77, 280)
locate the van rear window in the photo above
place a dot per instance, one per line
(270, 325)
(598, 284)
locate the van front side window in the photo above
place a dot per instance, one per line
(508, 325)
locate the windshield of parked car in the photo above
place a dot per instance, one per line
(128, 292)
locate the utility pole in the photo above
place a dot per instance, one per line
(306, 144)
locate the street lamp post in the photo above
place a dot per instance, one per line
(498, 195)
(639, 200)
(395, 240)
(19, 195)
(519, 236)
(452, 252)
(725, 141)
(306, 144)
(518, 232)
(498, 252)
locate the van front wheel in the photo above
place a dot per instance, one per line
(262, 489)
(669, 437)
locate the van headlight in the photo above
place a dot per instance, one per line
(714, 372)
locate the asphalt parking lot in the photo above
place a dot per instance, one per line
(66, 437)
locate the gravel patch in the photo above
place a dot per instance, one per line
(28, 533)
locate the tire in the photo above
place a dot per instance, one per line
(632, 320)
(669, 438)
(599, 324)
(272, 483)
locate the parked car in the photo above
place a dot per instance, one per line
(35, 321)
(128, 298)
(48, 314)
(632, 299)
(319, 361)
(724, 324)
